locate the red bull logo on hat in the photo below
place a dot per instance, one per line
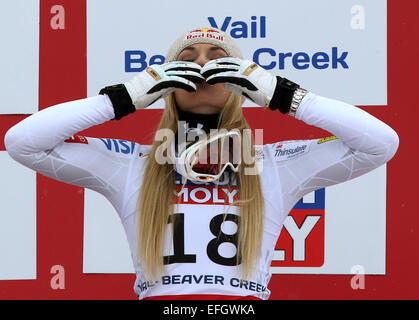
(204, 30)
(205, 33)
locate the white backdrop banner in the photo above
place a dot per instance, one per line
(19, 56)
(17, 220)
(333, 48)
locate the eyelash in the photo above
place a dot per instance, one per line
(192, 60)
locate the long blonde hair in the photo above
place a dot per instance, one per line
(156, 197)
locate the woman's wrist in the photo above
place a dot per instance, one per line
(283, 94)
(297, 98)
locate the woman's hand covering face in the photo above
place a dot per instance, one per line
(243, 77)
(158, 81)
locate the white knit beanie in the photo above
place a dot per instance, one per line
(204, 35)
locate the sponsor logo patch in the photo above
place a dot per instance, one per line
(286, 151)
(259, 152)
(77, 139)
(204, 30)
(204, 33)
(322, 140)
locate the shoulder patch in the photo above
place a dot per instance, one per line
(322, 140)
(77, 139)
(289, 150)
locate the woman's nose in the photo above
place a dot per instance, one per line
(201, 60)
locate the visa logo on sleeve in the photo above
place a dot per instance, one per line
(119, 146)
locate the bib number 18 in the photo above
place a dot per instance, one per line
(179, 255)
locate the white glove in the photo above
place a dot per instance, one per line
(157, 81)
(242, 77)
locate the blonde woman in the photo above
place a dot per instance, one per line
(202, 222)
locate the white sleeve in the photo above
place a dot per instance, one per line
(364, 143)
(41, 142)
